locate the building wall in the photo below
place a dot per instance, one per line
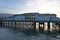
(34, 17)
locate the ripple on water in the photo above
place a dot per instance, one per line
(10, 34)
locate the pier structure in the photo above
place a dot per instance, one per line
(32, 21)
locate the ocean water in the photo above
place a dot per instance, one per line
(13, 34)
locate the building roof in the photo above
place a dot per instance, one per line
(35, 14)
(38, 17)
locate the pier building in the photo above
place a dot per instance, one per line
(34, 21)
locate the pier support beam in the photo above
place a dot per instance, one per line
(37, 26)
(34, 26)
(45, 26)
(5, 23)
(8, 23)
(11, 24)
(59, 25)
(48, 26)
(15, 24)
(52, 26)
(1, 23)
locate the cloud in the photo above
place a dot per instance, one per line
(42, 6)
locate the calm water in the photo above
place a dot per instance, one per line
(12, 34)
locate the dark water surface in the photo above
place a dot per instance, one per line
(11, 34)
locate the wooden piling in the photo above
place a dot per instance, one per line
(11, 24)
(8, 23)
(48, 26)
(43, 26)
(34, 26)
(15, 24)
(39, 25)
(1, 23)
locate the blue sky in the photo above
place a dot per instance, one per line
(10, 4)
(21, 6)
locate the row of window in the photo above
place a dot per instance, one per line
(29, 17)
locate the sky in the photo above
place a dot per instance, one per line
(23, 6)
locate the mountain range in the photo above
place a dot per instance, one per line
(5, 15)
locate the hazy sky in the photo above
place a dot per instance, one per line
(21, 6)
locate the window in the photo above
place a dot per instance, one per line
(30, 18)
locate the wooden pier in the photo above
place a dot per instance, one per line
(35, 21)
(27, 25)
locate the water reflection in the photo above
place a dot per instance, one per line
(14, 34)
